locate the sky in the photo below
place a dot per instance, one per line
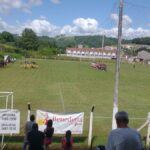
(75, 17)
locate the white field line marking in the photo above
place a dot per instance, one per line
(61, 98)
(82, 96)
(103, 117)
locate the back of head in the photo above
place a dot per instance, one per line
(49, 123)
(32, 118)
(68, 138)
(122, 117)
(68, 134)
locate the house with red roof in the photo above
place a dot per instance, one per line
(106, 53)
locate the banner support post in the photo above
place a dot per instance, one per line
(29, 112)
(2, 142)
(12, 100)
(91, 126)
(7, 94)
(148, 132)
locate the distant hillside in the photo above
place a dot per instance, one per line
(31, 45)
(143, 41)
(86, 41)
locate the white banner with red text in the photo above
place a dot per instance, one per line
(61, 121)
(9, 121)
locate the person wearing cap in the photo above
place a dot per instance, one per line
(124, 137)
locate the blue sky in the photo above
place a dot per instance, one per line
(75, 17)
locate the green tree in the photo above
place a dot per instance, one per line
(144, 41)
(48, 52)
(6, 37)
(29, 40)
(46, 42)
(63, 42)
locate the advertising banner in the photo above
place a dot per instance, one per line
(61, 121)
(9, 121)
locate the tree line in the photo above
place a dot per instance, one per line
(29, 43)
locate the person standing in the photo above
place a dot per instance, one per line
(28, 128)
(124, 137)
(49, 131)
(67, 141)
(35, 138)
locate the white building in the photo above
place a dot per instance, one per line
(91, 53)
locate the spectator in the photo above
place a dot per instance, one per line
(35, 138)
(100, 147)
(49, 131)
(28, 128)
(124, 138)
(67, 141)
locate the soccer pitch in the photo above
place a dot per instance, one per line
(73, 86)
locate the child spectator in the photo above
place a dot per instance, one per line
(67, 141)
(49, 131)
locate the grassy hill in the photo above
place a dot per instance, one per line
(79, 87)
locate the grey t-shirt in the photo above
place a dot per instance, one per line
(124, 139)
(28, 128)
(29, 125)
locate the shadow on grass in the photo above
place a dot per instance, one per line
(92, 141)
(15, 142)
(56, 139)
(76, 139)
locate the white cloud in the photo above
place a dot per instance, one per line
(113, 32)
(3, 25)
(35, 2)
(6, 27)
(86, 25)
(127, 21)
(55, 1)
(42, 27)
(80, 26)
(6, 5)
(127, 33)
(68, 30)
(134, 33)
(148, 25)
(114, 17)
(90, 26)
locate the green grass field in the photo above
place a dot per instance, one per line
(79, 87)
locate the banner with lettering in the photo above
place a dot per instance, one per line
(9, 121)
(61, 121)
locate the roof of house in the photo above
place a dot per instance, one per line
(91, 49)
(143, 55)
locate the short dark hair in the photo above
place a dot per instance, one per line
(68, 138)
(122, 116)
(68, 133)
(50, 123)
(32, 117)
